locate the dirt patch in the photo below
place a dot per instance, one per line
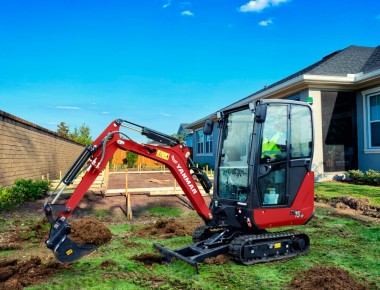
(10, 246)
(166, 228)
(131, 244)
(105, 264)
(362, 205)
(149, 259)
(16, 275)
(89, 231)
(141, 180)
(159, 181)
(218, 260)
(326, 278)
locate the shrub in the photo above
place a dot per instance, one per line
(355, 176)
(372, 177)
(9, 198)
(131, 159)
(22, 190)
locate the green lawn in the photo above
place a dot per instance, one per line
(349, 244)
(336, 240)
(328, 190)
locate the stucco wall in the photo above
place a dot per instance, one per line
(29, 151)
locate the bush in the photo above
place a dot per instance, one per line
(355, 176)
(9, 198)
(131, 159)
(22, 190)
(371, 177)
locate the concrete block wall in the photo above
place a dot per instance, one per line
(30, 151)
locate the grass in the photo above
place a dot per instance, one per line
(351, 244)
(328, 190)
(168, 211)
(335, 241)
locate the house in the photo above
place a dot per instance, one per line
(187, 134)
(345, 89)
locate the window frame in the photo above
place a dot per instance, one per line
(203, 144)
(368, 119)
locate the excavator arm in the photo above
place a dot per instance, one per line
(175, 155)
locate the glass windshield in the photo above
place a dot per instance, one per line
(233, 169)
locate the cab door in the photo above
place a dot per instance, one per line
(285, 157)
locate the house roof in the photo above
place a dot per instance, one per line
(184, 127)
(353, 60)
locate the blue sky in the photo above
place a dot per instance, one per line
(160, 63)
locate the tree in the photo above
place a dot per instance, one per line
(180, 137)
(63, 130)
(81, 135)
(131, 159)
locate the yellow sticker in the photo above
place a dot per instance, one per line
(69, 252)
(163, 155)
(277, 245)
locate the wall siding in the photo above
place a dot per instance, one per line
(29, 151)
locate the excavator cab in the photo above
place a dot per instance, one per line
(264, 157)
(263, 180)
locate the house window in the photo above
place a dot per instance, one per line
(200, 142)
(208, 144)
(374, 120)
(204, 143)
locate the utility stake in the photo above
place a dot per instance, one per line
(127, 197)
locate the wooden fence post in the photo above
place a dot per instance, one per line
(127, 197)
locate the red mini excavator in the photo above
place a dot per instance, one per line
(263, 180)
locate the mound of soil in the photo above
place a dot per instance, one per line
(10, 246)
(107, 263)
(16, 275)
(362, 205)
(149, 259)
(89, 231)
(218, 260)
(326, 278)
(166, 228)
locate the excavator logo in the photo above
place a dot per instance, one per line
(174, 161)
(184, 176)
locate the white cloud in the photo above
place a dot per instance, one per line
(165, 115)
(105, 113)
(187, 13)
(259, 5)
(53, 123)
(167, 4)
(67, 108)
(266, 22)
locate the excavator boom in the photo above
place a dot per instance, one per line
(176, 156)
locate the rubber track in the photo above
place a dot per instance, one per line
(238, 243)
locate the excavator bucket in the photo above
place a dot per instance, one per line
(64, 249)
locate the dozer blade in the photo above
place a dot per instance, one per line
(64, 249)
(192, 254)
